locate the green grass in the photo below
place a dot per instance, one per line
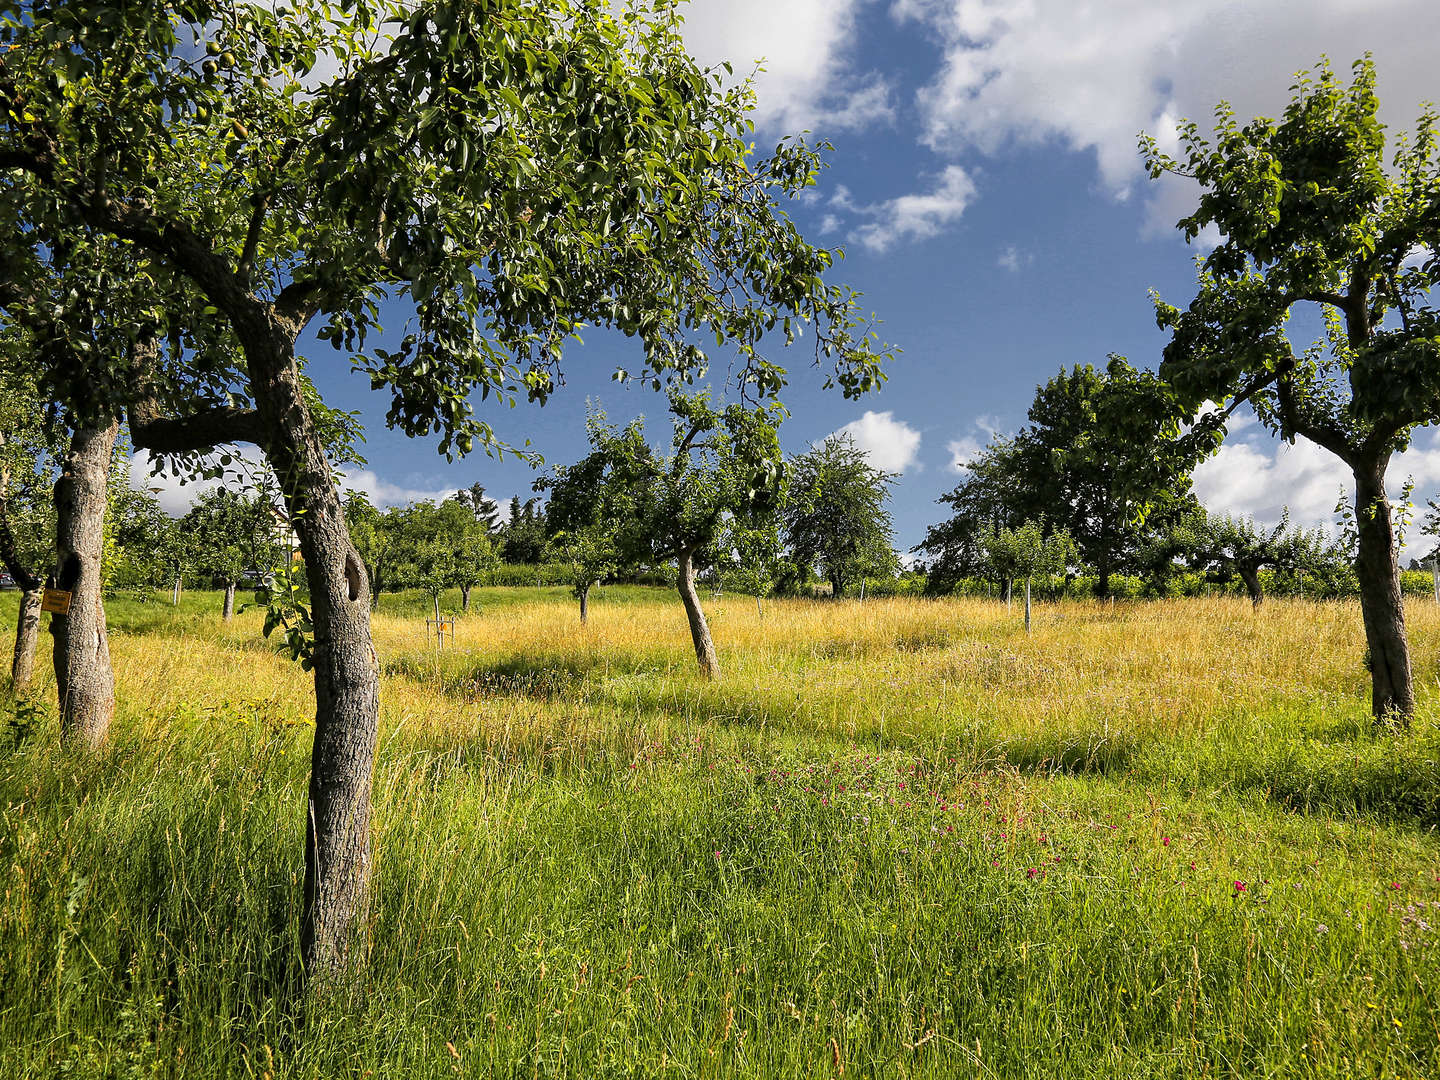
(898, 839)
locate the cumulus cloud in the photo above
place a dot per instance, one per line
(891, 445)
(810, 78)
(382, 492)
(177, 495)
(1260, 477)
(917, 216)
(1091, 76)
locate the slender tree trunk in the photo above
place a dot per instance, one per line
(1392, 693)
(759, 608)
(435, 604)
(347, 676)
(585, 602)
(1007, 584)
(699, 628)
(1251, 577)
(465, 599)
(228, 609)
(27, 618)
(1027, 605)
(175, 592)
(84, 679)
(27, 636)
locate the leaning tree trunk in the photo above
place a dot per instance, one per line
(27, 618)
(27, 636)
(228, 609)
(1377, 567)
(84, 679)
(347, 676)
(585, 602)
(1251, 577)
(699, 628)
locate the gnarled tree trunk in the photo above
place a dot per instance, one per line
(1376, 565)
(699, 628)
(464, 599)
(27, 636)
(84, 679)
(347, 675)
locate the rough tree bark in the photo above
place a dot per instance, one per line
(464, 599)
(1392, 692)
(699, 628)
(27, 636)
(84, 679)
(228, 609)
(585, 602)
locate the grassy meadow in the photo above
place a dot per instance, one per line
(896, 838)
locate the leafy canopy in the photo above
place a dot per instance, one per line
(1310, 213)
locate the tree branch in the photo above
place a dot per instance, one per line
(200, 430)
(1324, 435)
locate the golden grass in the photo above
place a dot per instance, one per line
(898, 668)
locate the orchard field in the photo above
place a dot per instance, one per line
(895, 838)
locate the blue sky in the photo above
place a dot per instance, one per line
(989, 198)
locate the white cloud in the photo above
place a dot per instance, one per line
(1090, 76)
(968, 447)
(175, 495)
(890, 444)
(247, 467)
(810, 79)
(1256, 478)
(962, 452)
(382, 492)
(918, 216)
(1014, 260)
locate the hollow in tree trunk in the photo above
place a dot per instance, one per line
(228, 609)
(1392, 694)
(27, 636)
(1251, 576)
(699, 628)
(584, 591)
(84, 679)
